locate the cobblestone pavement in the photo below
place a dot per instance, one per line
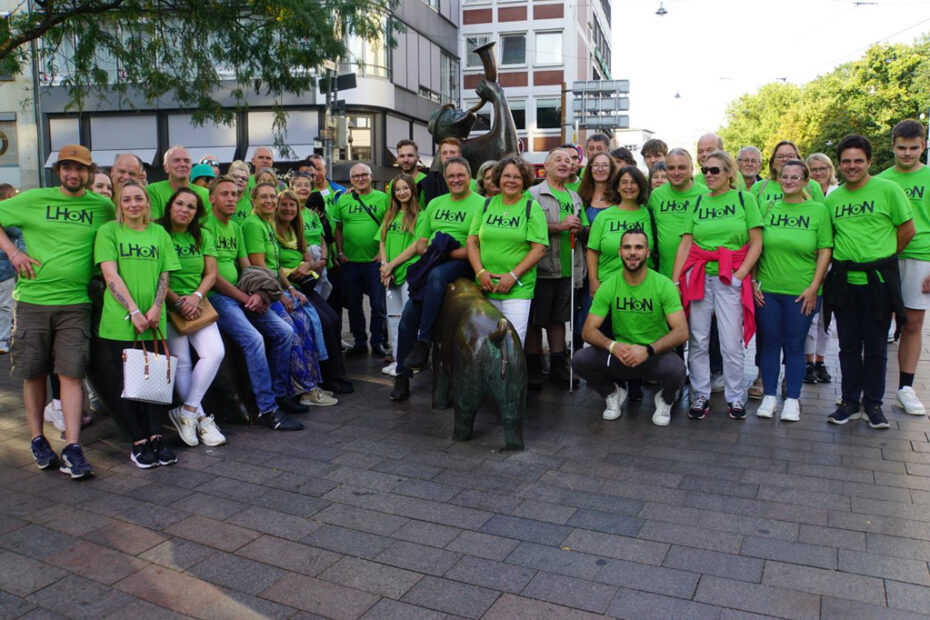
(373, 511)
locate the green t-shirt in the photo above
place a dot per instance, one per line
(160, 192)
(396, 241)
(230, 247)
(638, 314)
(185, 280)
(313, 227)
(59, 233)
(243, 209)
(575, 185)
(670, 209)
(449, 216)
(606, 232)
(916, 186)
(330, 195)
(722, 221)
(141, 256)
(504, 238)
(289, 257)
(566, 208)
(259, 239)
(359, 225)
(791, 236)
(768, 192)
(865, 222)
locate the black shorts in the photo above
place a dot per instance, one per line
(552, 301)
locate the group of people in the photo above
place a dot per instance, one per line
(687, 262)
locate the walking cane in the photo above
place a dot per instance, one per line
(571, 325)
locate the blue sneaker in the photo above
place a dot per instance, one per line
(42, 452)
(844, 413)
(74, 463)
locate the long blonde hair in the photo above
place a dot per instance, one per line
(413, 206)
(119, 195)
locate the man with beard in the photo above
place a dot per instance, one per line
(408, 156)
(648, 324)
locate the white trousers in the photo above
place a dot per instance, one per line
(395, 298)
(6, 309)
(817, 339)
(724, 301)
(190, 382)
(517, 311)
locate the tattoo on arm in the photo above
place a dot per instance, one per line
(162, 289)
(118, 295)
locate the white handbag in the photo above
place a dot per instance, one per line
(148, 377)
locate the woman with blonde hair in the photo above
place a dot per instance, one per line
(239, 171)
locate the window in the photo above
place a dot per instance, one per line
(548, 48)
(483, 117)
(449, 78)
(370, 57)
(471, 58)
(359, 137)
(548, 113)
(518, 111)
(433, 4)
(513, 49)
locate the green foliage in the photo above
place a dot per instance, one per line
(133, 51)
(869, 96)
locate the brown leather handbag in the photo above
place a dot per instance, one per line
(183, 326)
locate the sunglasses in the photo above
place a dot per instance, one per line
(210, 162)
(705, 170)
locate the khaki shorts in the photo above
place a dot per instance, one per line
(49, 339)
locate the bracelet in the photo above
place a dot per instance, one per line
(198, 294)
(15, 254)
(516, 279)
(610, 349)
(136, 311)
(478, 275)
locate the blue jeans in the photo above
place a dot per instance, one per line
(270, 376)
(359, 279)
(785, 327)
(419, 318)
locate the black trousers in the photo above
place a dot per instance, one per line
(667, 369)
(138, 420)
(863, 340)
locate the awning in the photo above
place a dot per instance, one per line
(224, 154)
(105, 158)
(299, 152)
(425, 160)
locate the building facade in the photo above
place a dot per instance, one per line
(541, 46)
(396, 92)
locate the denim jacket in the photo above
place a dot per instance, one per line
(6, 267)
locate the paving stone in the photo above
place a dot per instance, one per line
(386, 609)
(637, 605)
(360, 519)
(411, 507)
(563, 560)
(898, 547)
(406, 469)
(898, 569)
(22, 576)
(426, 489)
(798, 553)
(209, 506)
(153, 516)
(723, 487)
(418, 558)
(424, 533)
(233, 489)
(907, 596)
(486, 500)
(371, 577)
(350, 542)
(483, 545)
(757, 598)
(851, 610)
(14, 606)
(667, 581)
(575, 593)
(606, 522)
(721, 521)
(699, 537)
(273, 522)
(510, 607)
(714, 563)
(143, 609)
(36, 541)
(489, 574)
(289, 555)
(620, 547)
(826, 582)
(70, 520)
(290, 503)
(76, 596)
(212, 533)
(526, 529)
(126, 537)
(178, 554)
(236, 573)
(96, 562)
(451, 597)
(831, 537)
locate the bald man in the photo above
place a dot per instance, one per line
(707, 144)
(358, 215)
(126, 167)
(261, 158)
(177, 165)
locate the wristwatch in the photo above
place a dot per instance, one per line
(650, 350)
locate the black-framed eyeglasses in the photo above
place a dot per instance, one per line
(705, 170)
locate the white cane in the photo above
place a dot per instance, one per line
(571, 324)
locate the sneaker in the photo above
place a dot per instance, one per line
(756, 391)
(277, 420)
(54, 415)
(380, 350)
(663, 414)
(844, 413)
(419, 356)
(717, 383)
(92, 398)
(736, 410)
(164, 455)
(390, 370)
(185, 423)
(810, 375)
(891, 334)
(614, 403)
(42, 452)
(791, 410)
(289, 404)
(877, 419)
(209, 432)
(907, 400)
(699, 408)
(357, 349)
(820, 371)
(401, 389)
(345, 346)
(317, 398)
(767, 407)
(74, 464)
(337, 386)
(143, 455)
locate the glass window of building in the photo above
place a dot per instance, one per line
(370, 58)
(548, 113)
(518, 110)
(477, 40)
(359, 135)
(513, 49)
(549, 48)
(449, 78)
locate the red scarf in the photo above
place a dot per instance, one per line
(692, 280)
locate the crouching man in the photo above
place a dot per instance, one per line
(648, 324)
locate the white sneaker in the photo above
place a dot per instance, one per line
(663, 414)
(791, 410)
(717, 384)
(317, 398)
(907, 400)
(614, 402)
(209, 432)
(390, 369)
(767, 407)
(54, 415)
(185, 423)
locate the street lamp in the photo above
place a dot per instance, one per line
(661, 10)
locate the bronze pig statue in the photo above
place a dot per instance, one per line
(476, 354)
